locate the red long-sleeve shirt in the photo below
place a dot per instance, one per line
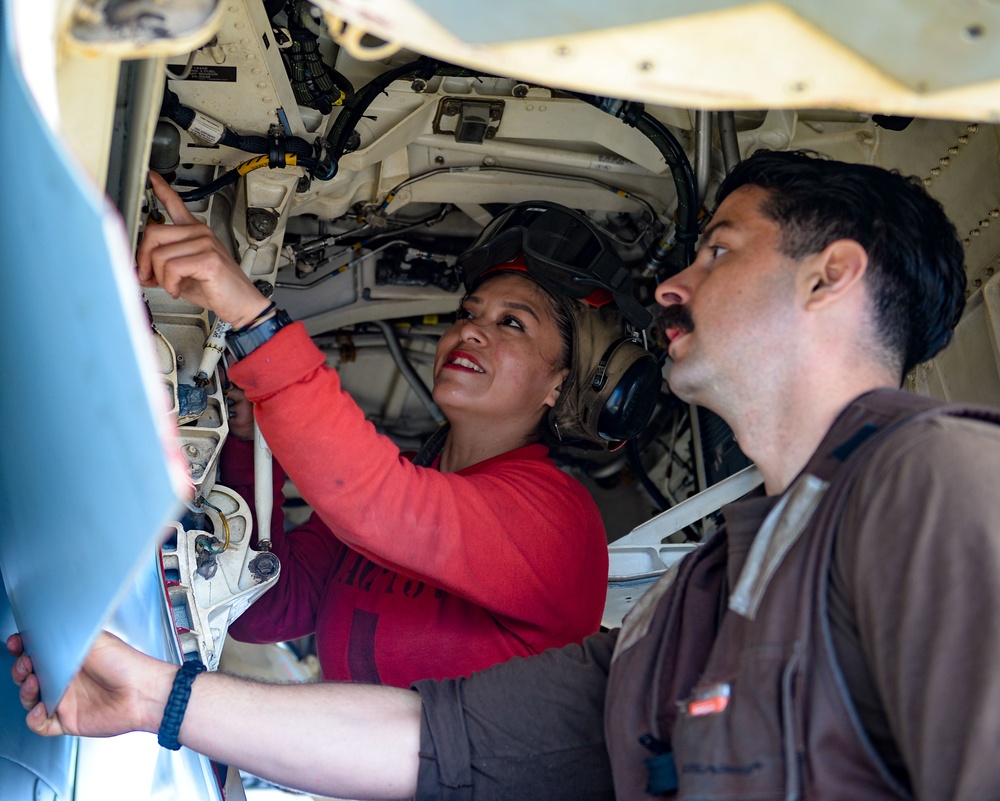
(405, 572)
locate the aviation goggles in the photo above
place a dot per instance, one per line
(563, 250)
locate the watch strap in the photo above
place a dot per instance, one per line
(243, 343)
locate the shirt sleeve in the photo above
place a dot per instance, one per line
(521, 539)
(920, 558)
(528, 728)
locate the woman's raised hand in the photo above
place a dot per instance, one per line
(187, 260)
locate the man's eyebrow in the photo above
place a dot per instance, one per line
(715, 225)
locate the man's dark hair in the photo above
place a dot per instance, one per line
(916, 270)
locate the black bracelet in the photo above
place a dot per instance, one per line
(177, 703)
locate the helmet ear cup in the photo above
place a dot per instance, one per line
(613, 385)
(630, 400)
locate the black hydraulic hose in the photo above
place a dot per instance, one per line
(354, 108)
(261, 144)
(680, 168)
(635, 115)
(201, 192)
(184, 117)
(231, 176)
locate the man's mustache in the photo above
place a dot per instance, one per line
(676, 316)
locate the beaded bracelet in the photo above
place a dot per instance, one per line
(256, 320)
(177, 703)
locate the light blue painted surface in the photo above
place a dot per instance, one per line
(84, 486)
(25, 758)
(927, 45)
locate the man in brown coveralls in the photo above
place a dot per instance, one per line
(838, 637)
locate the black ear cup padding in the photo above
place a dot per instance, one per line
(630, 405)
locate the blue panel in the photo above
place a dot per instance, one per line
(516, 20)
(895, 36)
(144, 620)
(26, 759)
(85, 487)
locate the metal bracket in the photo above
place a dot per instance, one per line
(476, 120)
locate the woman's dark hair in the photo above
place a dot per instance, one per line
(916, 270)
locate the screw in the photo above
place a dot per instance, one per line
(953, 150)
(944, 160)
(521, 90)
(963, 139)
(935, 171)
(261, 223)
(989, 271)
(977, 283)
(418, 85)
(972, 128)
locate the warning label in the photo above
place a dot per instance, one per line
(204, 72)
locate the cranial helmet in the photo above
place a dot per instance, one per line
(613, 383)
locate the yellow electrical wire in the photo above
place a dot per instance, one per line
(291, 160)
(222, 517)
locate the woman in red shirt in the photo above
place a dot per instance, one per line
(484, 550)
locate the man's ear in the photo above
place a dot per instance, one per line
(834, 272)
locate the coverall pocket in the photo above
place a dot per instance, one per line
(734, 738)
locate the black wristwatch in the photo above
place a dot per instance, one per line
(244, 343)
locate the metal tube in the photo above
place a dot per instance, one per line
(408, 372)
(693, 509)
(263, 497)
(702, 152)
(727, 136)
